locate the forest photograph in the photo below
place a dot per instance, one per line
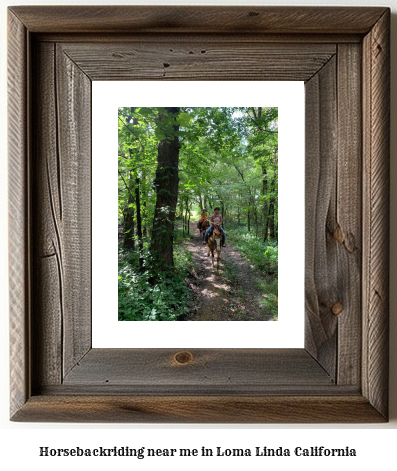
(198, 214)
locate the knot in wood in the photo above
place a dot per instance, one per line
(338, 235)
(337, 308)
(183, 357)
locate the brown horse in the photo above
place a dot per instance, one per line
(204, 226)
(215, 243)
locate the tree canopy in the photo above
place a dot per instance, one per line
(172, 162)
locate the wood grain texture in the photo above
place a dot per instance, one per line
(62, 206)
(347, 228)
(231, 369)
(198, 19)
(19, 226)
(321, 258)
(70, 382)
(48, 302)
(199, 409)
(191, 38)
(74, 148)
(211, 60)
(376, 93)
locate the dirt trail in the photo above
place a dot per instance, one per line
(229, 294)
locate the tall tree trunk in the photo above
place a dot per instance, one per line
(144, 217)
(272, 211)
(271, 219)
(166, 183)
(275, 217)
(184, 213)
(129, 229)
(139, 221)
(264, 194)
(129, 241)
(267, 223)
(256, 221)
(181, 216)
(238, 215)
(188, 218)
(129, 233)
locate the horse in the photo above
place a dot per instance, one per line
(204, 226)
(215, 243)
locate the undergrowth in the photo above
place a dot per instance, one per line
(269, 299)
(264, 257)
(148, 295)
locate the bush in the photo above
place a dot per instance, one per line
(264, 255)
(143, 297)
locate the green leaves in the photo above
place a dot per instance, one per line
(184, 119)
(228, 157)
(263, 255)
(140, 300)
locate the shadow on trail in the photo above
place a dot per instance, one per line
(227, 294)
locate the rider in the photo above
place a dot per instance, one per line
(203, 216)
(216, 220)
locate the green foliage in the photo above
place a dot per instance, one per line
(228, 157)
(264, 255)
(264, 259)
(269, 299)
(143, 297)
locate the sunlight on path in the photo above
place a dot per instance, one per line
(227, 295)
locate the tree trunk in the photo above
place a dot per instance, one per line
(129, 242)
(264, 193)
(238, 209)
(272, 212)
(256, 221)
(188, 218)
(271, 220)
(201, 202)
(144, 217)
(139, 221)
(129, 229)
(166, 183)
(181, 216)
(267, 223)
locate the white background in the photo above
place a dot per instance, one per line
(375, 443)
(288, 331)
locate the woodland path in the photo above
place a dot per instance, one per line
(229, 294)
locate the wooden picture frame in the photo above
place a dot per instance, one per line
(342, 54)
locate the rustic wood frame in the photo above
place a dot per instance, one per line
(343, 55)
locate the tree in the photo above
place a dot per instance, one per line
(166, 185)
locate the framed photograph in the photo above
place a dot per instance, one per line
(342, 56)
(225, 155)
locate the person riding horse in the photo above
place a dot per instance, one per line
(203, 216)
(216, 220)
